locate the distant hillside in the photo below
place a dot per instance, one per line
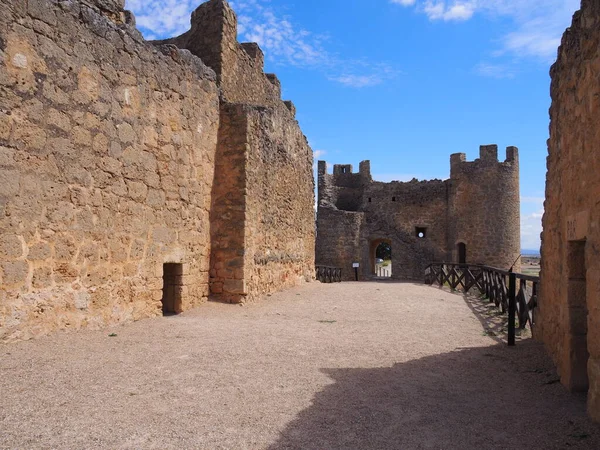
(530, 252)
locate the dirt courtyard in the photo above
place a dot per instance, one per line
(343, 366)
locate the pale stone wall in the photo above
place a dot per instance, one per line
(478, 206)
(107, 150)
(263, 225)
(280, 223)
(568, 320)
(228, 214)
(118, 156)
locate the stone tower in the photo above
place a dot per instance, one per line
(484, 208)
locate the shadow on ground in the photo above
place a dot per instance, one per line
(493, 321)
(479, 398)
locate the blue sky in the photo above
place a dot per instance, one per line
(405, 83)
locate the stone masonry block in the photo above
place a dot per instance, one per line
(11, 246)
(15, 272)
(39, 252)
(235, 287)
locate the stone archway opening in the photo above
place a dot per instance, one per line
(381, 251)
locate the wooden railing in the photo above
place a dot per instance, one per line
(512, 292)
(327, 274)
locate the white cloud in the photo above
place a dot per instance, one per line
(318, 154)
(358, 81)
(531, 227)
(495, 70)
(532, 210)
(539, 24)
(162, 18)
(404, 2)
(277, 36)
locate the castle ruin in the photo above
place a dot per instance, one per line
(473, 217)
(568, 321)
(138, 178)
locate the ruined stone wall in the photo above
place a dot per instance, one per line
(107, 149)
(484, 209)
(280, 222)
(478, 206)
(228, 212)
(568, 320)
(339, 240)
(262, 217)
(239, 67)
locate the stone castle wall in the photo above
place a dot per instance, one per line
(568, 320)
(280, 203)
(118, 156)
(478, 206)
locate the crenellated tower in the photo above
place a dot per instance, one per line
(484, 208)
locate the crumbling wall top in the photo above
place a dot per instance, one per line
(239, 66)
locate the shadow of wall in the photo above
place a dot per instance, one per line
(491, 397)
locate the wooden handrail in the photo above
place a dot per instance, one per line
(507, 290)
(327, 274)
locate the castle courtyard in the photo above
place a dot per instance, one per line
(345, 366)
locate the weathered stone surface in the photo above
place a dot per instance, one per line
(478, 206)
(118, 156)
(568, 321)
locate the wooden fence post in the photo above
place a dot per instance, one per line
(512, 307)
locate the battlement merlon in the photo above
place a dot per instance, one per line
(488, 154)
(322, 168)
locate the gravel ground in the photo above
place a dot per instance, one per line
(345, 366)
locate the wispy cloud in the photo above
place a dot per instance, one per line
(282, 40)
(532, 210)
(495, 70)
(159, 19)
(317, 154)
(279, 38)
(539, 24)
(531, 227)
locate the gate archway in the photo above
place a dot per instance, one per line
(381, 258)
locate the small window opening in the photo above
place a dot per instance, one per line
(369, 199)
(393, 199)
(421, 232)
(172, 287)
